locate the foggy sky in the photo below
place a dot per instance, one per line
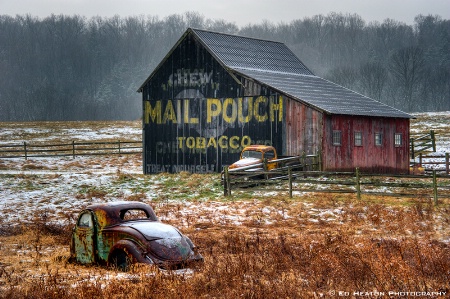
(241, 12)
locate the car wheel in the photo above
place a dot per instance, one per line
(120, 260)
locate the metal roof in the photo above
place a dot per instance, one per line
(273, 64)
(249, 53)
(323, 94)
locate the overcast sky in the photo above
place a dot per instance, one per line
(241, 12)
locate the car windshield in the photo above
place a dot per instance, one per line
(251, 154)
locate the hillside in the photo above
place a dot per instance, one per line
(91, 68)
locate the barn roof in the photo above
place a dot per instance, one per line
(237, 52)
(273, 64)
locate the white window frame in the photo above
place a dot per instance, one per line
(337, 137)
(378, 139)
(398, 139)
(358, 137)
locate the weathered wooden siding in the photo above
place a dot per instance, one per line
(198, 118)
(369, 157)
(302, 129)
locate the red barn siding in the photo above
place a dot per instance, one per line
(303, 129)
(369, 157)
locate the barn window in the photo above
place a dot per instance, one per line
(337, 139)
(398, 139)
(358, 139)
(378, 139)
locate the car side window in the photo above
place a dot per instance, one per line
(269, 155)
(85, 220)
(133, 214)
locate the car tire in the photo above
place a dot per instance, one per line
(121, 260)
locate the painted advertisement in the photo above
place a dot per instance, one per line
(202, 129)
(197, 116)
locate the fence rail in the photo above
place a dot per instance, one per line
(73, 149)
(434, 186)
(422, 144)
(440, 163)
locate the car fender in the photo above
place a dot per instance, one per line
(133, 250)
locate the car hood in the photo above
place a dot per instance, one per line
(245, 162)
(166, 242)
(154, 230)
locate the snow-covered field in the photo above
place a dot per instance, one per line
(437, 121)
(440, 123)
(60, 187)
(326, 228)
(60, 132)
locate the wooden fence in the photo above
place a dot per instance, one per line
(422, 144)
(425, 186)
(430, 162)
(73, 149)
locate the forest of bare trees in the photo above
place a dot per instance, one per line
(73, 68)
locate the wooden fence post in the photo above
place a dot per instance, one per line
(303, 161)
(226, 182)
(73, 149)
(319, 161)
(290, 181)
(433, 140)
(358, 184)
(265, 167)
(435, 194)
(447, 162)
(25, 150)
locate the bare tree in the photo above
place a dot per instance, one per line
(345, 76)
(407, 65)
(70, 67)
(372, 77)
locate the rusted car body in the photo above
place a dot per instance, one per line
(121, 233)
(254, 155)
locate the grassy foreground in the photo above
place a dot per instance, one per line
(374, 247)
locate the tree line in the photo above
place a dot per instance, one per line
(73, 68)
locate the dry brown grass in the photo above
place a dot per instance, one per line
(30, 165)
(440, 123)
(374, 247)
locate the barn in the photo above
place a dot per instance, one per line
(213, 94)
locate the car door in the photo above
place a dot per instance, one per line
(84, 238)
(270, 155)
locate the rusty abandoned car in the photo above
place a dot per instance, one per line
(121, 233)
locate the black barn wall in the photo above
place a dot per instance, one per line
(198, 117)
